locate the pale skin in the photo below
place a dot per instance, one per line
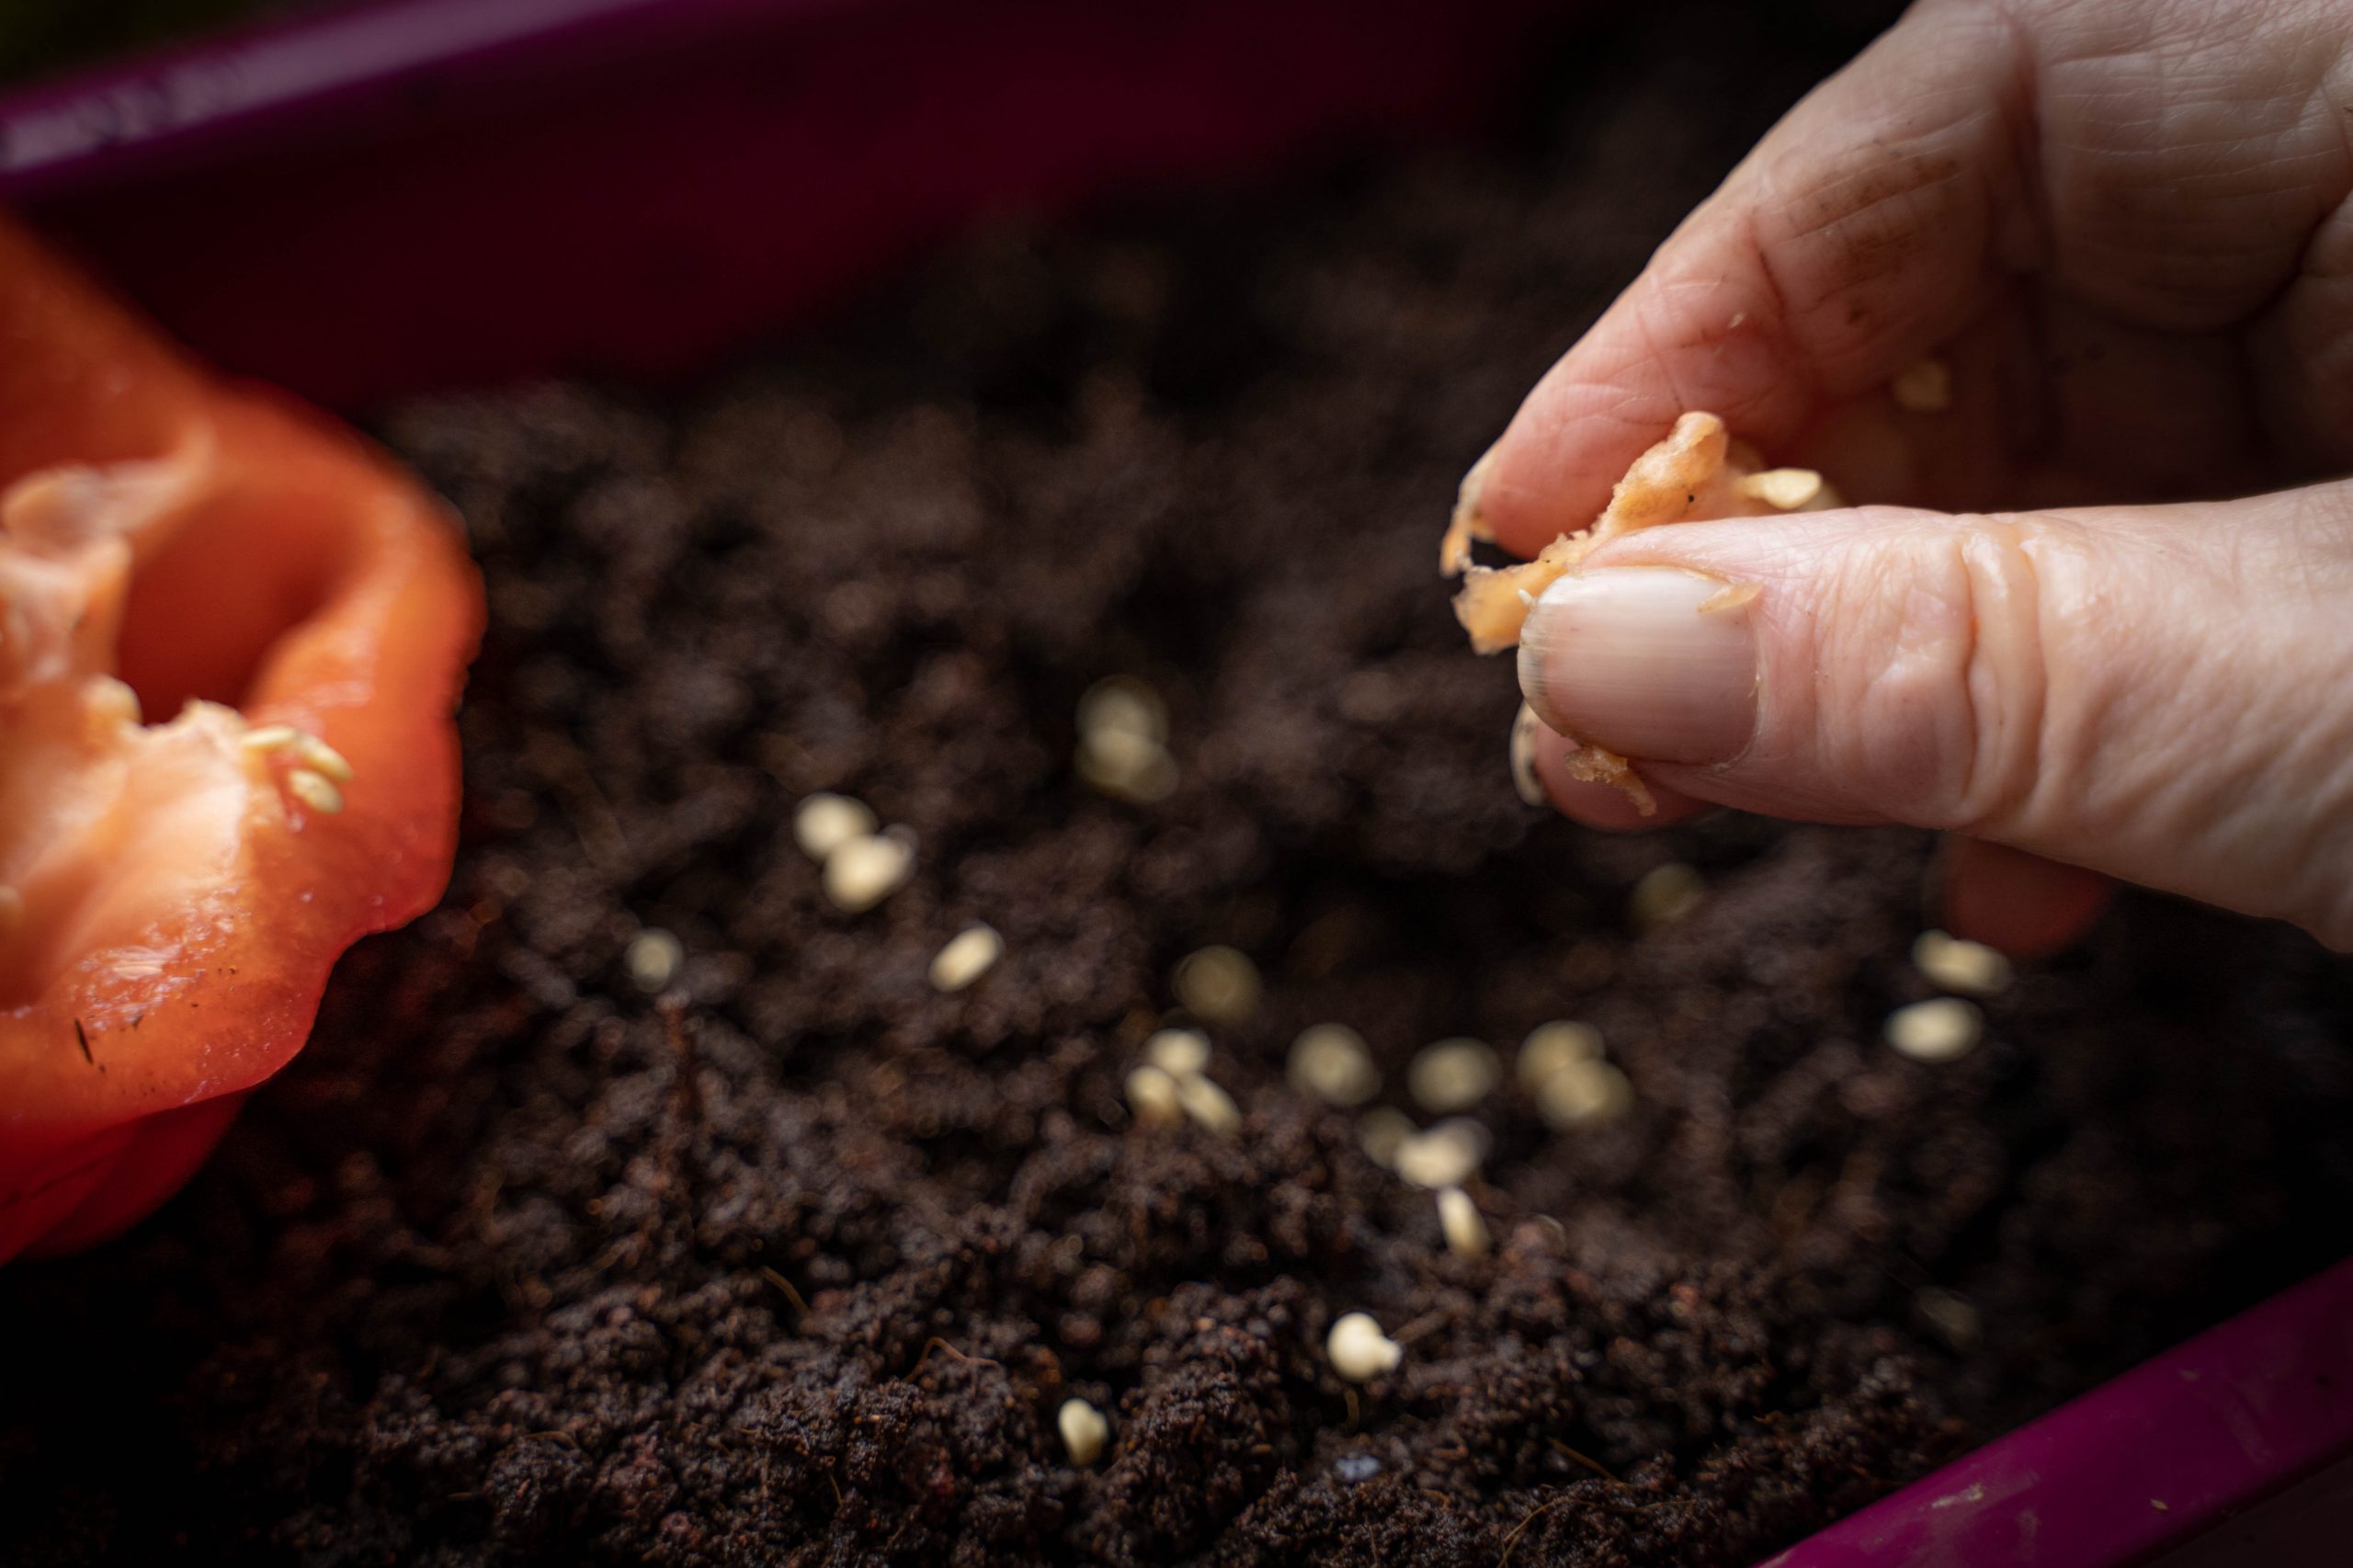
(2106, 616)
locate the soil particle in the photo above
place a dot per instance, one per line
(796, 1260)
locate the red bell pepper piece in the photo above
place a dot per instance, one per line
(232, 637)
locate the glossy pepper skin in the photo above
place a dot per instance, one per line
(288, 609)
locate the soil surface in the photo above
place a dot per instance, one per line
(796, 1260)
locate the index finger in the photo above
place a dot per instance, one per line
(1859, 234)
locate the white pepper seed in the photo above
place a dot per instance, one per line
(321, 758)
(1942, 1030)
(863, 871)
(653, 958)
(1923, 388)
(824, 822)
(1584, 1094)
(1382, 1133)
(1126, 766)
(1123, 703)
(1209, 1105)
(1550, 1047)
(1951, 1317)
(1084, 1432)
(1359, 1351)
(1665, 895)
(1218, 983)
(969, 954)
(1970, 968)
(1445, 1154)
(1330, 1063)
(268, 737)
(315, 791)
(1458, 1217)
(1181, 1053)
(1152, 1095)
(1526, 729)
(1453, 1075)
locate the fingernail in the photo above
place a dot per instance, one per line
(1627, 658)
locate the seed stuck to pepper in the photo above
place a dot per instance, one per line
(1945, 1030)
(1218, 983)
(1083, 1430)
(653, 958)
(824, 822)
(969, 954)
(861, 872)
(1359, 1351)
(1459, 1221)
(315, 791)
(1453, 1075)
(1330, 1061)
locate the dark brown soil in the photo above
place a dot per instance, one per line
(796, 1262)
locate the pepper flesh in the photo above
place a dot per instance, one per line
(218, 559)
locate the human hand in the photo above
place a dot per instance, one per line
(2124, 228)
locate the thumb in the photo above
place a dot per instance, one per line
(2164, 694)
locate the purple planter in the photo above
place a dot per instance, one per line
(426, 193)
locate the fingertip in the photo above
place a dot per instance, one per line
(1605, 806)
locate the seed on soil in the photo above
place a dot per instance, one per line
(1181, 1053)
(1445, 1154)
(1942, 1030)
(1923, 388)
(1550, 1047)
(1382, 1133)
(1458, 1218)
(1526, 729)
(863, 871)
(1125, 704)
(653, 958)
(1083, 1430)
(1955, 964)
(1218, 983)
(1358, 1350)
(1330, 1063)
(1127, 765)
(315, 791)
(1453, 1075)
(969, 954)
(1584, 1094)
(1951, 1317)
(1665, 895)
(1207, 1104)
(824, 822)
(1152, 1095)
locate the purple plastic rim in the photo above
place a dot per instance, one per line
(2148, 1462)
